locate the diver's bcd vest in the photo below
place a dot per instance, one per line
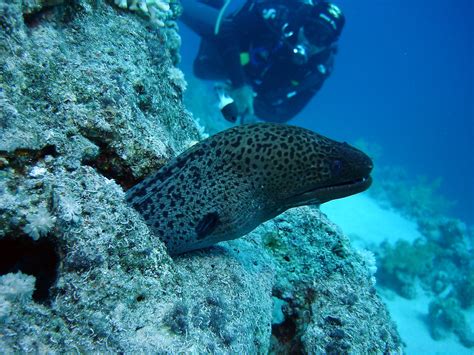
(284, 19)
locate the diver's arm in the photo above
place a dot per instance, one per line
(295, 104)
(199, 17)
(282, 105)
(230, 36)
(311, 84)
(230, 51)
(293, 101)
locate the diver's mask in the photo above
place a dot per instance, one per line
(300, 54)
(305, 47)
(300, 50)
(315, 27)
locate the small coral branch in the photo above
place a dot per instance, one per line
(157, 10)
(39, 224)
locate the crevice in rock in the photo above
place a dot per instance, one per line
(284, 332)
(33, 19)
(37, 258)
(287, 336)
(22, 158)
(52, 11)
(109, 164)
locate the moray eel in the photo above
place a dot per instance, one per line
(228, 184)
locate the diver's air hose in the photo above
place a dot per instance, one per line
(219, 18)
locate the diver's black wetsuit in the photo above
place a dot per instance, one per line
(250, 49)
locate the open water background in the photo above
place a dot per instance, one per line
(404, 80)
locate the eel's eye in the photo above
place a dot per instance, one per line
(336, 167)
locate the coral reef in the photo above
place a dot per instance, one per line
(445, 316)
(448, 245)
(91, 102)
(442, 263)
(415, 197)
(465, 290)
(401, 264)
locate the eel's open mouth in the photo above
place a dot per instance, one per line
(357, 185)
(342, 189)
(327, 193)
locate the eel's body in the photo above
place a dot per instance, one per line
(228, 184)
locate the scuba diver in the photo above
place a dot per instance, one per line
(272, 56)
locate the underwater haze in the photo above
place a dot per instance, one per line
(403, 80)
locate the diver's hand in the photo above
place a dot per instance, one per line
(243, 98)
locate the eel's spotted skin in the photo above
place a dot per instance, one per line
(225, 186)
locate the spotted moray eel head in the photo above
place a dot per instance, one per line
(300, 167)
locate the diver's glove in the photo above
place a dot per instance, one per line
(243, 97)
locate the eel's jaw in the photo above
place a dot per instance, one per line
(334, 192)
(327, 193)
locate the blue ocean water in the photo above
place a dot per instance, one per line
(404, 80)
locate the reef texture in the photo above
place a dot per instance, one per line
(440, 262)
(91, 102)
